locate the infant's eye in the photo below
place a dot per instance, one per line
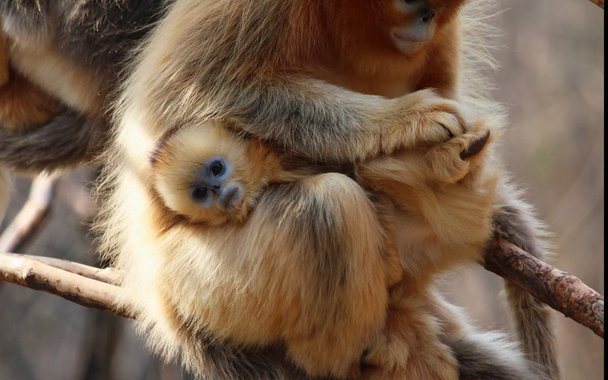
(200, 194)
(217, 167)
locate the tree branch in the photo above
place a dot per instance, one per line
(110, 276)
(560, 290)
(32, 273)
(99, 288)
(32, 215)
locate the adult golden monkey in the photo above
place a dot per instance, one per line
(285, 72)
(87, 37)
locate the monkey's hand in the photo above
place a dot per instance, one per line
(422, 118)
(455, 159)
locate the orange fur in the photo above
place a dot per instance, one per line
(365, 59)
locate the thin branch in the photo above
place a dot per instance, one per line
(93, 287)
(84, 291)
(32, 215)
(110, 276)
(560, 290)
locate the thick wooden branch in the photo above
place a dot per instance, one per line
(94, 287)
(560, 290)
(34, 274)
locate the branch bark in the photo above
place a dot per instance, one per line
(32, 273)
(560, 290)
(99, 288)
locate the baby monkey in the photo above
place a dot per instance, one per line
(210, 177)
(208, 174)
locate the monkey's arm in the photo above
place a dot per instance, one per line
(240, 71)
(326, 122)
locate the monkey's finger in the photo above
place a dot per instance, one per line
(475, 146)
(451, 122)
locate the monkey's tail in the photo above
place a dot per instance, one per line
(491, 356)
(515, 222)
(66, 140)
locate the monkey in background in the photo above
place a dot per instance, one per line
(65, 61)
(354, 124)
(23, 106)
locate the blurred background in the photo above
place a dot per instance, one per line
(551, 79)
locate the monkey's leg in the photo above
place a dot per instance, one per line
(410, 347)
(515, 222)
(453, 160)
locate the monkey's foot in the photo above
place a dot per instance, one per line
(453, 160)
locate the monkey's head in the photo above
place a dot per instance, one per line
(207, 174)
